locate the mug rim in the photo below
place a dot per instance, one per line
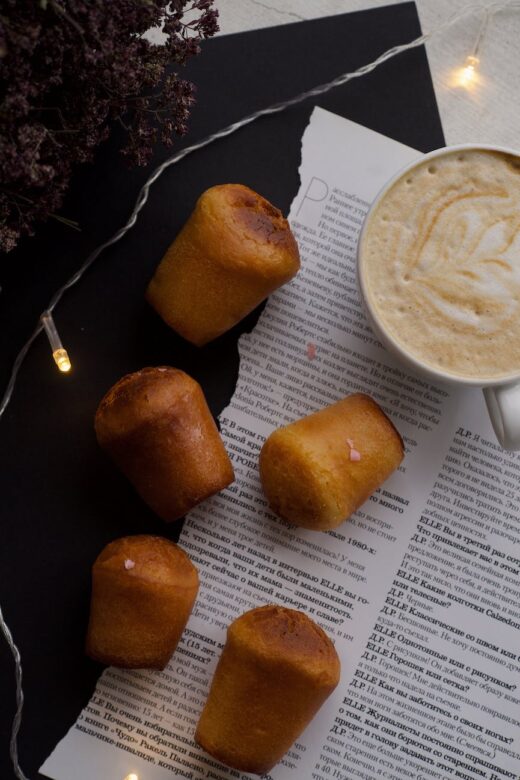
(380, 331)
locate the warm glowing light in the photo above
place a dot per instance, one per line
(60, 355)
(132, 776)
(62, 360)
(467, 75)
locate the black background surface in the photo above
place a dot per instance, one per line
(61, 500)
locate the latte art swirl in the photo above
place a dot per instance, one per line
(441, 258)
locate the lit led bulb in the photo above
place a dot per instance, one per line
(467, 74)
(62, 360)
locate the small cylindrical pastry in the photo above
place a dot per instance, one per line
(276, 670)
(317, 471)
(143, 591)
(157, 427)
(234, 250)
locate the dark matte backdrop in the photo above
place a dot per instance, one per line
(61, 501)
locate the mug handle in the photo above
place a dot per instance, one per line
(503, 405)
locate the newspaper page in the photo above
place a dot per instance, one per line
(420, 589)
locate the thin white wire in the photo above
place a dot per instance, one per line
(481, 32)
(13, 743)
(142, 198)
(489, 9)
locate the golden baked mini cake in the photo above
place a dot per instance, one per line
(143, 591)
(317, 471)
(276, 670)
(234, 250)
(158, 429)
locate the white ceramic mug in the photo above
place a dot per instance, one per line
(502, 396)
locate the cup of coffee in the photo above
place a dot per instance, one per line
(439, 272)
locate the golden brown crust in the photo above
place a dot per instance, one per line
(250, 216)
(235, 249)
(276, 670)
(308, 471)
(139, 398)
(143, 591)
(281, 635)
(158, 560)
(157, 427)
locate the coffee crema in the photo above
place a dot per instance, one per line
(441, 263)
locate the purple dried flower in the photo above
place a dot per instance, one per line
(68, 69)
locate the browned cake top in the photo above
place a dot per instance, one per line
(359, 403)
(285, 635)
(149, 558)
(249, 215)
(140, 397)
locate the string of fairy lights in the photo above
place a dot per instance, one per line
(465, 76)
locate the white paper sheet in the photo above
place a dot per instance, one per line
(420, 590)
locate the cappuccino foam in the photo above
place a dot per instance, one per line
(441, 263)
